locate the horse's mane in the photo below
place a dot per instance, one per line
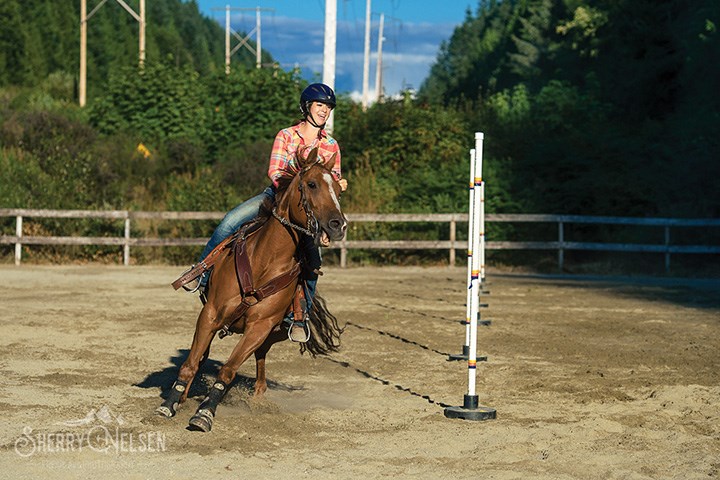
(268, 204)
(283, 184)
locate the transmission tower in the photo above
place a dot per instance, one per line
(84, 17)
(243, 40)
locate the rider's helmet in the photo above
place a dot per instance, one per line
(316, 92)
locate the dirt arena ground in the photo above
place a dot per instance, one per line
(591, 379)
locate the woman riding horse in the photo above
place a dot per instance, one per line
(253, 285)
(316, 104)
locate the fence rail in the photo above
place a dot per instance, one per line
(126, 241)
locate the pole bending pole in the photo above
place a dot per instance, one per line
(470, 410)
(471, 222)
(482, 232)
(472, 233)
(480, 188)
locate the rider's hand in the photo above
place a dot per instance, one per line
(343, 184)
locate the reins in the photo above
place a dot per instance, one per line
(288, 223)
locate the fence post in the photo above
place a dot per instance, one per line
(561, 250)
(343, 251)
(18, 245)
(126, 246)
(453, 225)
(667, 248)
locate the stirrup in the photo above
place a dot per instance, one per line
(193, 285)
(300, 328)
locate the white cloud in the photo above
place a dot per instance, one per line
(409, 50)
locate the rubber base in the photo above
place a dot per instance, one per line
(465, 355)
(471, 410)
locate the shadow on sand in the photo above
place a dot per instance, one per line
(200, 387)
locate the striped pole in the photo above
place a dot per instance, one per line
(471, 226)
(475, 222)
(470, 410)
(468, 308)
(475, 275)
(482, 232)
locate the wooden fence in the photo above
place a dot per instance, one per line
(127, 241)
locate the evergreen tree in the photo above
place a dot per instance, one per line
(12, 44)
(41, 37)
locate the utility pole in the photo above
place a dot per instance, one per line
(227, 39)
(366, 58)
(258, 42)
(243, 40)
(378, 78)
(84, 17)
(141, 21)
(82, 84)
(329, 50)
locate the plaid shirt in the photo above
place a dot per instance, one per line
(283, 159)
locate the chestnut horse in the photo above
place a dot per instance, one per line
(307, 205)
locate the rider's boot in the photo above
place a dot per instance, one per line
(299, 330)
(198, 284)
(203, 285)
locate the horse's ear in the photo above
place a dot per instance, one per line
(329, 163)
(311, 158)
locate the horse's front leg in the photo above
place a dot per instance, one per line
(256, 333)
(205, 331)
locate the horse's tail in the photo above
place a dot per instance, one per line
(324, 329)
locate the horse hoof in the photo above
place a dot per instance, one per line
(202, 421)
(164, 411)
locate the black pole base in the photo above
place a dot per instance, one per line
(471, 410)
(460, 356)
(465, 355)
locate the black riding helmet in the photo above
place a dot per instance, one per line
(316, 92)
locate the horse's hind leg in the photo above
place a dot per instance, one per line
(277, 335)
(204, 333)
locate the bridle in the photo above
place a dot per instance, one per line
(313, 226)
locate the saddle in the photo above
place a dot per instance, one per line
(250, 294)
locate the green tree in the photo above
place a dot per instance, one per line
(412, 153)
(250, 105)
(12, 44)
(157, 102)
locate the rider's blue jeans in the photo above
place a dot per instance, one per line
(236, 218)
(246, 212)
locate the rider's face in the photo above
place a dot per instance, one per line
(320, 112)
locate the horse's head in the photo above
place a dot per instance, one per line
(319, 199)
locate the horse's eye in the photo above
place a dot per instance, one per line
(312, 185)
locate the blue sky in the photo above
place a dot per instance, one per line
(293, 32)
